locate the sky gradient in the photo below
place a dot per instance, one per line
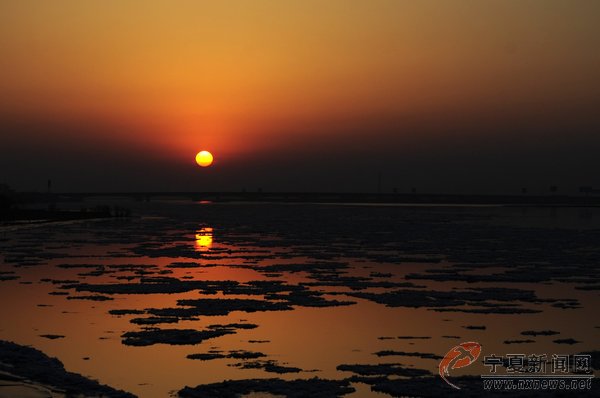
(443, 96)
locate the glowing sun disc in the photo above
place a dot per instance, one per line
(204, 158)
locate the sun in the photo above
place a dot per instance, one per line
(204, 158)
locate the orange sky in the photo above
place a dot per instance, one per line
(256, 77)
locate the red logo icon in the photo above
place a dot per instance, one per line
(460, 356)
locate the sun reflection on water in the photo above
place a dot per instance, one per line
(204, 239)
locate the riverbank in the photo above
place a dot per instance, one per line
(29, 373)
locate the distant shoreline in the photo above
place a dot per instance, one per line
(343, 198)
(18, 218)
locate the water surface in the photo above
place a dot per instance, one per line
(297, 290)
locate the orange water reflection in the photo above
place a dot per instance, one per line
(309, 338)
(204, 239)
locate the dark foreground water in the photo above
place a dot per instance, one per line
(187, 294)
